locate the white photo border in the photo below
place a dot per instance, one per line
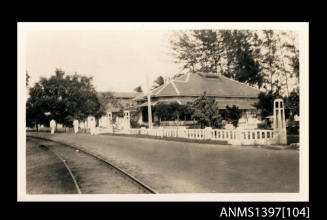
(302, 28)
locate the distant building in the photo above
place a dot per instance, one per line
(182, 90)
(117, 102)
(188, 87)
(120, 100)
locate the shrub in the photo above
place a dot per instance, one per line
(232, 115)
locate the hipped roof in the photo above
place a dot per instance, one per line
(192, 84)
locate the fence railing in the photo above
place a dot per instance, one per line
(222, 134)
(256, 137)
(236, 137)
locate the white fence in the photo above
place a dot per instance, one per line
(254, 137)
(236, 137)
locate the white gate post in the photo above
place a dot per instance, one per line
(279, 122)
(237, 137)
(181, 132)
(207, 133)
(127, 120)
(110, 123)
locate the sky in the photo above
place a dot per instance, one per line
(118, 60)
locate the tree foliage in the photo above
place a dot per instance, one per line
(293, 103)
(292, 54)
(108, 98)
(27, 79)
(158, 82)
(231, 53)
(167, 111)
(162, 111)
(241, 54)
(265, 103)
(232, 114)
(206, 112)
(135, 116)
(253, 57)
(63, 98)
(138, 89)
(35, 107)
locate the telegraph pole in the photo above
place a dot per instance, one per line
(149, 103)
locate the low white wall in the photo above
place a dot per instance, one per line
(235, 137)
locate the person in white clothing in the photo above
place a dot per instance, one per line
(52, 126)
(76, 124)
(92, 126)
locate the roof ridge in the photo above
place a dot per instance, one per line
(177, 91)
(240, 82)
(186, 86)
(184, 81)
(123, 92)
(162, 88)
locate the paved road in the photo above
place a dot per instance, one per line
(176, 167)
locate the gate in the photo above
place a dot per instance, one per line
(118, 125)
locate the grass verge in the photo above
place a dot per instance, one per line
(170, 138)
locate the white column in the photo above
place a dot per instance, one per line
(279, 122)
(207, 133)
(149, 111)
(140, 117)
(127, 120)
(110, 124)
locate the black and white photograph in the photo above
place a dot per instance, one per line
(163, 111)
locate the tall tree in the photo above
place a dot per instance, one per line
(231, 53)
(158, 82)
(293, 103)
(198, 50)
(292, 54)
(265, 103)
(209, 50)
(35, 107)
(258, 58)
(242, 52)
(138, 89)
(184, 50)
(64, 97)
